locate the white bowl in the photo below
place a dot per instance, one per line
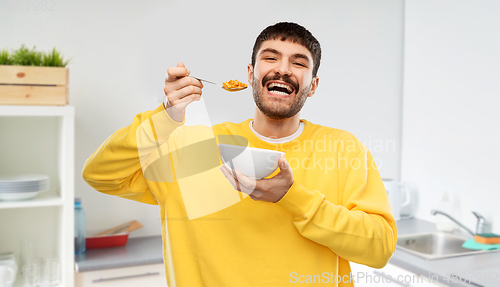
(256, 163)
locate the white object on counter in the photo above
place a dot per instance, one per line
(394, 189)
(442, 222)
(8, 269)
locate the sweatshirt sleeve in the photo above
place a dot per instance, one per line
(361, 228)
(118, 167)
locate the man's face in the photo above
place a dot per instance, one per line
(282, 78)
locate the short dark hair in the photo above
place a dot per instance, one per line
(293, 32)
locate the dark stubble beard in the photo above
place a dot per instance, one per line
(275, 107)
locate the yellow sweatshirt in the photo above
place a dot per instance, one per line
(336, 211)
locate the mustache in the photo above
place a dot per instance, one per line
(285, 79)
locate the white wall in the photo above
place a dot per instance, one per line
(122, 49)
(451, 122)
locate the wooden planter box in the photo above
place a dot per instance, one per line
(29, 85)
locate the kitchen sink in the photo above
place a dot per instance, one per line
(435, 245)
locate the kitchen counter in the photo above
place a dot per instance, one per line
(474, 268)
(148, 250)
(138, 251)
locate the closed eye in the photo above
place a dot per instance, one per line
(299, 64)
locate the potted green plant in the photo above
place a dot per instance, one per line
(31, 77)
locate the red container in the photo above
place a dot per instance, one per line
(106, 241)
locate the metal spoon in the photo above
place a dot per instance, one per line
(227, 89)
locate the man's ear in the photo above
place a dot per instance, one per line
(314, 86)
(250, 74)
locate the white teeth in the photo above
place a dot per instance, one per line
(279, 93)
(288, 88)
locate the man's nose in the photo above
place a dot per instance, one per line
(283, 68)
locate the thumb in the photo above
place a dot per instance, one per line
(283, 164)
(181, 65)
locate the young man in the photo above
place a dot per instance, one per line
(326, 205)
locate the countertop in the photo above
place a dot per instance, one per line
(138, 251)
(148, 250)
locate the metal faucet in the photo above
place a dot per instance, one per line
(482, 225)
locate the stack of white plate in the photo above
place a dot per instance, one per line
(21, 187)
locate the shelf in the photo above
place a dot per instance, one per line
(47, 198)
(36, 111)
(40, 140)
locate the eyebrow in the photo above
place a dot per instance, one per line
(274, 51)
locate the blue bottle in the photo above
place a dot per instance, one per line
(79, 227)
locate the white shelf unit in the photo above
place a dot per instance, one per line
(40, 140)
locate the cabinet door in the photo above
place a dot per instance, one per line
(145, 275)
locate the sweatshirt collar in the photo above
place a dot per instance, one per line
(293, 136)
(258, 142)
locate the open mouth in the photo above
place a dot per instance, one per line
(281, 89)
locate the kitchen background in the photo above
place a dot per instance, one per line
(416, 81)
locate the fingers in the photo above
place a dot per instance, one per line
(181, 89)
(230, 177)
(236, 181)
(245, 180)
(184, 82)
(184, 102)
(268, 189)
